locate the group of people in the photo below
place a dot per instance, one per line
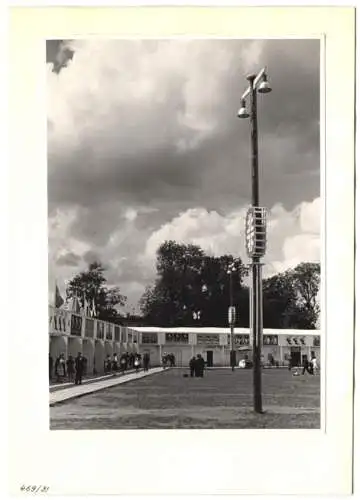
(72, 369)
(126, 361)
(168, 359)
(310, 367)
(197, 366)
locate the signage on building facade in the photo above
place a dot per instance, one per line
(177, 338)
(296, 341)
(149, 338)
(270, 340)
(240, 339)
(210, 339)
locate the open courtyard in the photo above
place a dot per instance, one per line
(221, 400)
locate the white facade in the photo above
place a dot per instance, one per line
(70, 333)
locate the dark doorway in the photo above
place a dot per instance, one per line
(209, 358)
(296, 356)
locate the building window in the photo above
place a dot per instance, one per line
(76, 322)
(100, 330)
(108, 332)
(117, 333)
(211, 339)
(149, 338)
(89, 327)
(176, 338)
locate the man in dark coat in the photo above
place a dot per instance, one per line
(146, 361)
(199, 366)
(79, 368)
(70, 368)
(192, 365)
(51, 363)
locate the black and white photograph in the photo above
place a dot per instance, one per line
(180, 312)
(184, 233)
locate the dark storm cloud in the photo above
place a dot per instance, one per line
(108, 153)
(58, 54)
(290, 113)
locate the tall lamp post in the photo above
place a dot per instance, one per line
(255, 229)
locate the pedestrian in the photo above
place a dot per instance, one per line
(192, 365)
(108, 364)
(201, 366)
(115, 363)
(137, 362)
(60, 369)
(123, 363)
(146, 360)
(314, 365)
(79, 368)
(164, 360)
(70, 368)
(307, 366)
(51, 363)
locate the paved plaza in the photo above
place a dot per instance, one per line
(222, 399)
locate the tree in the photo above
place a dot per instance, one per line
(192, 288)
(91, 285)
(290, 298)
(279, 302)
(306, 282)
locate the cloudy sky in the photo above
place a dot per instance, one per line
(144, 145)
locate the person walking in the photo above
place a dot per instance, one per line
(307, 366)
(314, 365)
(164, 360)
(115, 363)
(51, 364)
(70, 368)
(60, 369)
(201, 366)
(79, 368)
(123, 363)
(146, 361)
(137, 362)
(192, 366)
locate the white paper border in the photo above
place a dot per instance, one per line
(321, 462)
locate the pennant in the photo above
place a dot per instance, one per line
(58, 299)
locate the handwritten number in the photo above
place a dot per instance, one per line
(34, 488)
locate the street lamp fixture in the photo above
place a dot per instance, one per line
(255, 229)
(264, 87)
(242, 111)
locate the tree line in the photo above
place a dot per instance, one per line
(193, 289)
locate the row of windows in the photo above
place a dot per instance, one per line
(104, 331)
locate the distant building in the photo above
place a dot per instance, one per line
(70, 333)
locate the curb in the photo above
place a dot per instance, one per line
(119, 380)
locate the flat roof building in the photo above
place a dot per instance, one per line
(70, 333)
